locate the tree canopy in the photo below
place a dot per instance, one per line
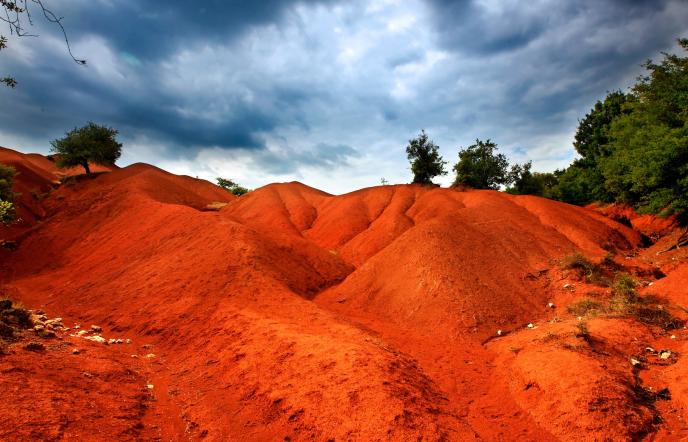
(634, 147)
(481, 167)
(426, 162)
(232, 187)
(91, 143)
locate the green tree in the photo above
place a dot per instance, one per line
(426, 162)
(524, 182)
(231, 187)
(91, 143)
(7, 211)
(481, 167)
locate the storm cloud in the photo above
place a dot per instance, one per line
(327, 92)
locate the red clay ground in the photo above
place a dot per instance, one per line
(292, 314)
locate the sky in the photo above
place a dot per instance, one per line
(327, 92)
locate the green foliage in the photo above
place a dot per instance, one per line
(634, 147)
(7, 212)
(426, 162)
(525, 182)
(480, 167)
(8, 81)
(7, 209)
(91, 143)
(6, 178)
(231, 187)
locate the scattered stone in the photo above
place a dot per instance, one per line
(150, 355)
(39, 312)
(672, 337)
(635, 362)
(76, 351)
(531, 326)
(649, 349)
(135, 356)
(128, 341)
(81, 332)
(149, 386)
(568, 286)
(96, 329)
(96, 338)
(551, 305)
(112, 341)
(77, 326)
(119, 341)
(34, 346)
(38, 328)
(47, 334)
(87, 374)
(664, 354)
(499, 333)
(649, 284)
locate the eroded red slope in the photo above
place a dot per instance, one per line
(292, 313)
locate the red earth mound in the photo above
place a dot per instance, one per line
(292, 314)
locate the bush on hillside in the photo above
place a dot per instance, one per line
(91, 143)
(231, 187)
(7, 210)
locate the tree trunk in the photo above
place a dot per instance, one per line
(88, 169)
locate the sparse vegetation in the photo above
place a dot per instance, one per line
(426, 162)
(91, 143)
(232, 187)
(585, 307)
(7, 209)
(591, 272)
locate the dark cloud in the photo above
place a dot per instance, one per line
(288, 86)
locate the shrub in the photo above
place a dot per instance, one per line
(584, 306)
(231, 187)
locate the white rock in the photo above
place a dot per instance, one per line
(551, 305)
(673, 336)
(75, 351)
(96, 328)
(531, 325)
(566, 286)
(112, 341)
(149, 386)
(96, 338)
(81, 332)
(150, 355)
(650, 284)
(649, 349)
(77, 326)
(119, 341)
(128, 341)
(665, 354)
(635, 362)
(499, 333)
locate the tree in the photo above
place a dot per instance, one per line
(426, 162)
(231, 187)
(524, 182)
(634, 147)
(7, 211)
(91, 143)
(16, 13)
(480, 167)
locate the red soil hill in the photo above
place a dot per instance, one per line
(292, 314)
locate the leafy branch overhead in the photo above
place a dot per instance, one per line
(17, 15)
